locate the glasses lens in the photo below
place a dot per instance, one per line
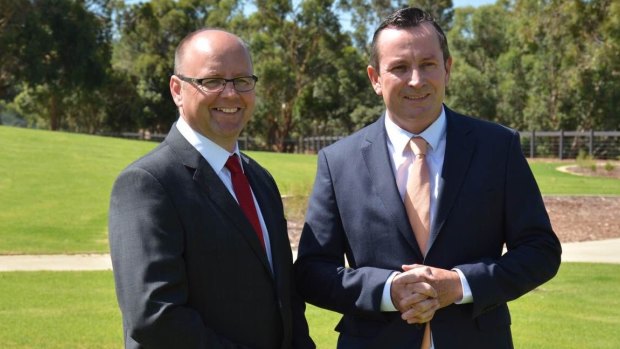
(213, 84)
(244, 84)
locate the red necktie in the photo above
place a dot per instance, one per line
(241, 186)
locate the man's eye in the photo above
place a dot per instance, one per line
(212, 83)
(243, 82)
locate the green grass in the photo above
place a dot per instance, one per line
(577, 309)
(553, 182)
(55, 187)
(59, 310)
(294, 173)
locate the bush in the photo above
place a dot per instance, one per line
(585, 160)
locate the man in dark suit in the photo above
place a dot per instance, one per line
(193, 268)
(445, 283)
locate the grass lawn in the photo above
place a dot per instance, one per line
(55, 187)
(577, 309)
(59, 310)
(553, 182)
(54, 190)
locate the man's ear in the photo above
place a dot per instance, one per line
(375, 80)
(175, 90)
(448, 66)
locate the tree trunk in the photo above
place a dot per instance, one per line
(54, 114)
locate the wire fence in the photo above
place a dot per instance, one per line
(604, 145)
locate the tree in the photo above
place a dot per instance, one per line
(477, 40)
(13, 16)
(150, 32)
(61, 46)
(365, 15)
(304, 65)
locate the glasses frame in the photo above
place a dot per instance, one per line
(225, 82)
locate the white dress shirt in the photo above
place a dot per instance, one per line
(402, 157)
(217, 156)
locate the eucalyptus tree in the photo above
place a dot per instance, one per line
(365, 15)
(54, 47)
(310, 75)
(144, 52)
(477, 41)
(569, 55)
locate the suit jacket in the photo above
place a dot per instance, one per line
(489, 199)
(189, 270)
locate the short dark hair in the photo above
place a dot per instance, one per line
(407, 18)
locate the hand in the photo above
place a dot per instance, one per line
(446, 283)
(415, 299)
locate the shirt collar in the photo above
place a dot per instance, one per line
(400, 137)
(215, 155)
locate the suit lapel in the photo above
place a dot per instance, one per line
(460, 145)
(216, 191)
(268, 211)
(377, 158)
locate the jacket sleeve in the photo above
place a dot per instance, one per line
(147, 244)
(322, 277)
(534, 250)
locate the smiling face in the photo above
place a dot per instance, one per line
(411, 76)
(218, 116)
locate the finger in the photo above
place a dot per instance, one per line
(421, 312)
(407, 267)
(411, 300)
(417, 274)
(421, 318)
(422, 288)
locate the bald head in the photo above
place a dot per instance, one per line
(207, 39)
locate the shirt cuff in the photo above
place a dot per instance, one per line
(386, 298)
(467, 296)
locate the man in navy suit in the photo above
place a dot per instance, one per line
(454, 291)
(192, 269)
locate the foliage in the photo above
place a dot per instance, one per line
(104, 65)
(149, 35)
(365, 15)
(538, 64)
(55, 47)
(609, 166)
(585, 160)
(310, 76)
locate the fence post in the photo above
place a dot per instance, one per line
(591, 145)
(532, 144)
(561, 145)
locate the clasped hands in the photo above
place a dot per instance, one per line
(419, 291)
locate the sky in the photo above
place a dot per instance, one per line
(475, 3)
(455, 3)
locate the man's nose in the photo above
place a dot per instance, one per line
(229, 89)
(416, 79)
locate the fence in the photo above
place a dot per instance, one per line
(546, 144)
(568, 144)
(535, 144)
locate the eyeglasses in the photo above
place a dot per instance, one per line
(241, 84)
